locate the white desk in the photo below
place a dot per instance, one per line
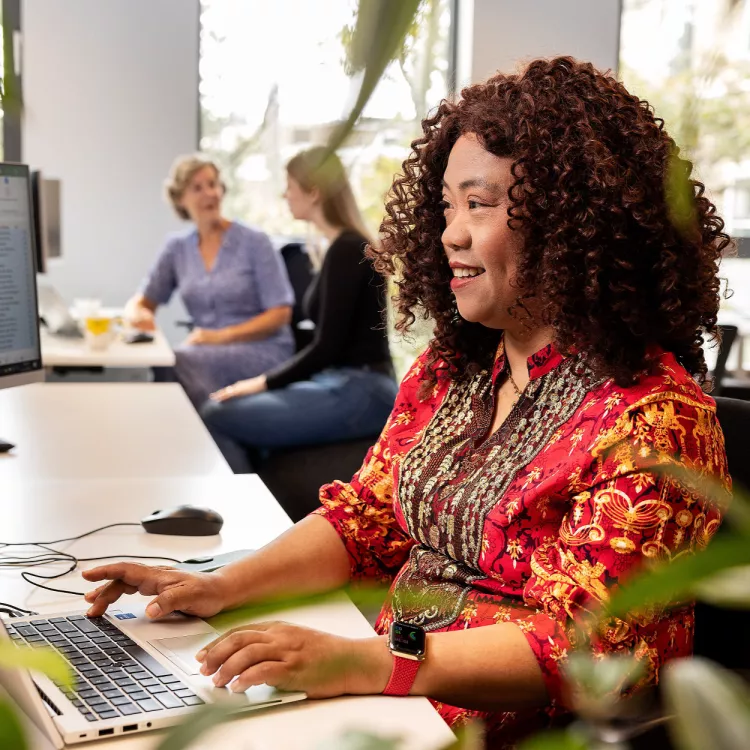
(53, 509)
(107, 430)
(62, 351)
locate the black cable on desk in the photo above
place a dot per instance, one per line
(13, 611)
(69, 539)
(52, 556)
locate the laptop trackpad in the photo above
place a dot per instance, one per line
(181, 650)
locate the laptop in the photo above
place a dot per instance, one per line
(55, 313)
(131, 675)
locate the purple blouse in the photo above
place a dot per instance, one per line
(248, 278)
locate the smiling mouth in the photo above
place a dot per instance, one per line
(464, 276)
(464, 273)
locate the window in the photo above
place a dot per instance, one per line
(273, 81)
(740, 208)
(691, 60)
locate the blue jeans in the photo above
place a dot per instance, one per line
(334, 405)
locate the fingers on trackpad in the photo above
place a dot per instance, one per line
(181, 650)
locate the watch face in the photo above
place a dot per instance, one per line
(407, 638)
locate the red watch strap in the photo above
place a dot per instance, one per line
(402, 677)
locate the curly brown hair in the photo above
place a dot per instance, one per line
(621, 247)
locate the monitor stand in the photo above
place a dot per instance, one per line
(5, 446)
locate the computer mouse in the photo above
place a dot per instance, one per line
(184, 520)
(138, 337)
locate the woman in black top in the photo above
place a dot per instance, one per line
(340, 386)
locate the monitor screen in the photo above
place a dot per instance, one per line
(20, 352)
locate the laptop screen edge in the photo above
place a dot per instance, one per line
(19, 685)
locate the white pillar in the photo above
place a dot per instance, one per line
(111, 98)
(503, 34)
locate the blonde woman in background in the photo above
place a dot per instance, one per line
(341, 386)
(233, 283)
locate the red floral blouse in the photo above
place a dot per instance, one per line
(538, 522)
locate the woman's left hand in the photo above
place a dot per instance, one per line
(248, 387)
(291, 657)
(206, 336)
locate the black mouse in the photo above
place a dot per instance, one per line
(138, 337)
(184, 520)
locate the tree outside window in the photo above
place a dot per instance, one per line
(278, 77)
(691, 60)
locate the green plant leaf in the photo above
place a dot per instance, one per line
(710, 706)
(735, 508)
(363, 596)
(353, 740)
(669, 582)
(11, 733)
(559, 739)
(196, 724)
(468, 737)
(730, 588)
(599, 677)
(10, 90)
(680, 195)
(43, 660)
(378, 37)
(232, 618)
(737, 512)
(596, 685)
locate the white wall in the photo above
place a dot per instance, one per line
(507, 32)
(111, 97)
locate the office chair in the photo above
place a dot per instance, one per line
(295, 475)
(301, 273)
(715, 626)
(724, 384)
(728, 336)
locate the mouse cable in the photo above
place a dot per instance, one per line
(41, 560)
(52, 556)
(69, 539)
(49, 557)
(13, 611)
(28, 576)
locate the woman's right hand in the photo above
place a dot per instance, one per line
(199, 594)
(142, 318)
(248, 387)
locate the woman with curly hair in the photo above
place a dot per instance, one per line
(547, 225)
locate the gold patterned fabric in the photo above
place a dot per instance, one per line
(537, 523)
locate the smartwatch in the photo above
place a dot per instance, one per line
(407, 643)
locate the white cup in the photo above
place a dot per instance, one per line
(99, 331)
(85, 307)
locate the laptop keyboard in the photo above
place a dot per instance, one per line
(114, 676)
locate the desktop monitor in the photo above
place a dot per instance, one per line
(45, 194)
(20, 349)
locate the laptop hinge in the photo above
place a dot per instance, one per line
(48, 701)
